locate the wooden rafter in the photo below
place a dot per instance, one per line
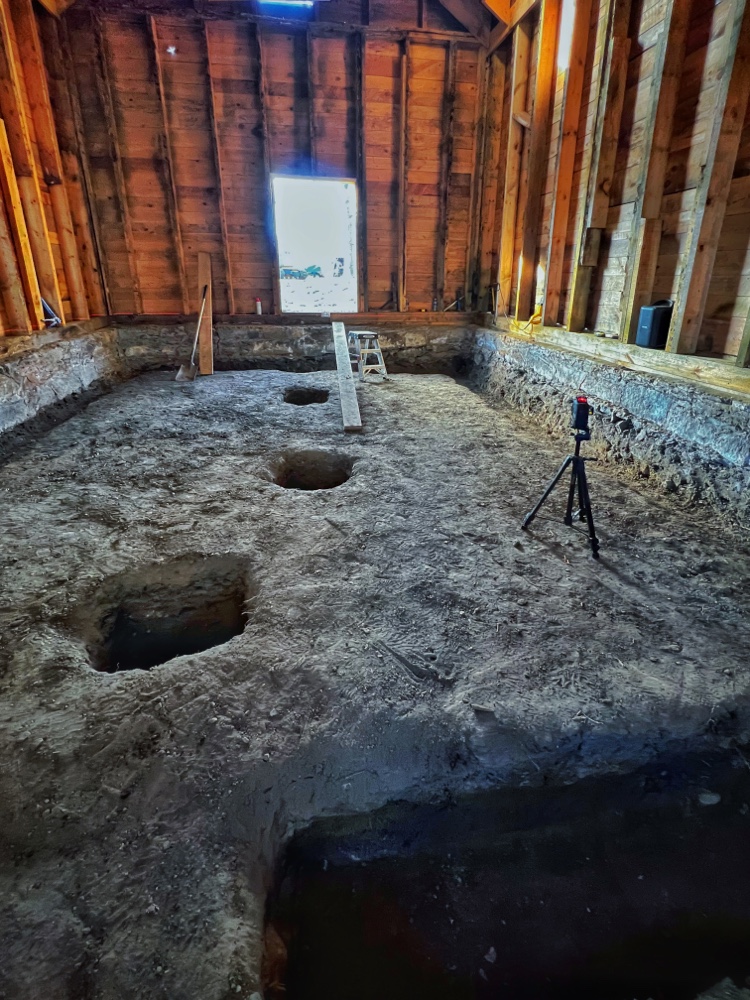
(518, 97)
(56, 7)
(104, 88)
(565, 165)
(166, 167)
(30, 49)
(546, 72)
(490, 174)
(12, 104)
(502, 32)
(645, 236)
(446, 161)
(501, 9)
(733, 92)
(218, 166)
(612, 82)
(473, 16)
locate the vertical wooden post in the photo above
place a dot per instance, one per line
(25, 258)
(471, 277)
(733, 92)
(490, 175)
(612, 83)
(546, 71)
(267, 161)
(105, 96)
(11, 278)
(205, 334)
(220, 179)
(74, 161)
(403, 157)
(12, 102)
(361, 163)
(30, 49)
(566, 156)
(446, 160)
(645, 235)
(310, 57)
(518, 96)
(167, 170)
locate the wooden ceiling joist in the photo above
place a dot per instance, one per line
(611, 98)
(733, 92)
(546, 71)
(566, 158)
(12, 109)
(502, 31)
(35, 76)
(645, 237)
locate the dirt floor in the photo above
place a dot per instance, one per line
(404, 640)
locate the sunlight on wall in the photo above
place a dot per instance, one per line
(565, 41)
(316, 235)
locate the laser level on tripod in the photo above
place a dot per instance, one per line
(579, 486)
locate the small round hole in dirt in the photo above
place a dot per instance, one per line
(304, 397)
(312, 470)
(144, 618)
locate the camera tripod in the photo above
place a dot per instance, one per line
(579, 483)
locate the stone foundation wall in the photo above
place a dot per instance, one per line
(303, 347)
(694, 440)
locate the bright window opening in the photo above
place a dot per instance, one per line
(316, 236)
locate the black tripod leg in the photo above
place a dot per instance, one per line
(568, 519)
(557, 477)
(583, 488)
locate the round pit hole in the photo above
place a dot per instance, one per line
(312, 470)
(299, 396)
(142, 619)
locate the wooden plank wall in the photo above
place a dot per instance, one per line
(205, 111)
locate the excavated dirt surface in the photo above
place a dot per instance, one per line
(404, 640)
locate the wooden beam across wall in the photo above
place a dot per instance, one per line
(12, 110)
(104, 88)
(446, 160)
(565, 166)
(221, 178)
(546, 74)
(490, 175)
(645, 236)
(519, 84)
(733, 92)
(63, 96)
(611, 98)
(30, 50)
(166, 168)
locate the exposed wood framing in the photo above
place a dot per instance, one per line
(206, 332)
(17, 223)
(361, 165)
(12, 102)
(105, 96)
(501, 32)
(612, 82)
(403, 154)
(546, 72)
(490, 176)
(30, 49)
(446, 159)
(11, 280)
(310, 56)
(566, 156)
(519, 86)
(501, 10)
(471, 279)
(473, 16)
(167, 170)
(221, 179)
(733, 91)
(267, 166)
(75, 171)
(645, 237)
(743, 354)
(57, 7)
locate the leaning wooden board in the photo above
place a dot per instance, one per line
(347, 383)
